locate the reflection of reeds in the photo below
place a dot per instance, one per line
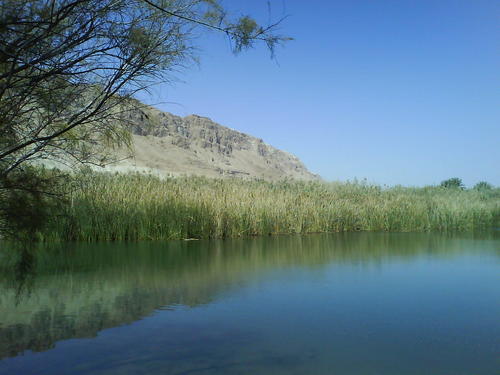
(79, 289)
(137, 207)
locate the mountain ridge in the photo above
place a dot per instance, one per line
(171, 145)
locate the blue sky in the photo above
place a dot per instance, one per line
(397, 92)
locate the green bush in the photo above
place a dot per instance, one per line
(482, 186)
(454, 183)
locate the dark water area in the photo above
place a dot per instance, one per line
(357, 303)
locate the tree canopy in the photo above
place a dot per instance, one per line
(69, 68)
(483, 186)
(454, 182)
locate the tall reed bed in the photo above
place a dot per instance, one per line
(105, 207)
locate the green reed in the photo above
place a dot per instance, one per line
(106, 207)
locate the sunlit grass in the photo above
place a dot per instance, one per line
(105, 207)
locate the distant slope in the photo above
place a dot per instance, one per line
(170, 145)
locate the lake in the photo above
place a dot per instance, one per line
(353, 303)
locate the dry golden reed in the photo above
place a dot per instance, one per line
(106, 207)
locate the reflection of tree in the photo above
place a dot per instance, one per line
(80, 291)
(25, 269)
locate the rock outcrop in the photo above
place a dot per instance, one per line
(193, 145)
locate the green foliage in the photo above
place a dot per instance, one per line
(483, 185)
(454, 183)
(68, 73)
(108, 207)
(68, 69)
(28, 196)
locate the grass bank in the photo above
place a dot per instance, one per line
(105, 207)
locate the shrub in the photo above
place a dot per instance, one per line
(454, 183)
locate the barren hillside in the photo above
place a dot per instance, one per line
(170, 145)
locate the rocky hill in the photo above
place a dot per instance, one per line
(166, 144)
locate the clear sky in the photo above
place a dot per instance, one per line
(398, 92)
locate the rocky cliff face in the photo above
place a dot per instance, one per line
(193, 145)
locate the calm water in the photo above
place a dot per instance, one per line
(342, 304)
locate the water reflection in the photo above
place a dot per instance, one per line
(75, 291)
